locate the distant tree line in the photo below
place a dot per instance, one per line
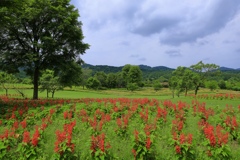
(181, 81)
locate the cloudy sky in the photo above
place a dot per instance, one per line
(161, 32)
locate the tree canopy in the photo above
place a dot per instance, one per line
(39, 35)
(202, 72)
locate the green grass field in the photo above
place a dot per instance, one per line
(163, 94)
(121, 146)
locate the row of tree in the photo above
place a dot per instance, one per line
(182, 80)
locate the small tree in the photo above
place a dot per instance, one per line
(49, 82)
(202, 71)
(102, 78)
(93, 83)
(132, 86)
(157, 86)
(7, 81)
(86, 73)
(175, 85)
(212, 85)
(222, 84)
(185, 76)
(112, 80)
(132, 74)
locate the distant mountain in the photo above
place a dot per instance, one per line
(105, 68)
(148, 72)
(226, 69)
(113, 69)
(153, 72)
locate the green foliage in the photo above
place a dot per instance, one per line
(141, 150)
(102, 78)
(112, 80)
(49, 82)
(132, 86)
(39, 35)
(7, 81)
(222, 84)
(212, 85)
(157, 86)
(69, 74)
(185, 79)
(86, 73)
(132, 74)
(202, 72)
(93, 83)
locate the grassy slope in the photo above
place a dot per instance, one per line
(78, 92)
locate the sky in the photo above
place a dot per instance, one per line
(161, 32)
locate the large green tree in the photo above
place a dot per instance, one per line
(39, 35)
(102, 77)
(185, 77)
(132, 74)
(112, 80)
(202, 71)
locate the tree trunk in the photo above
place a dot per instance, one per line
(35, 83)
(196, 90)
(186, 92)
(53, 94)
(47, 93)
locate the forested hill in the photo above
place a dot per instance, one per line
(148, 72)
(156, 72)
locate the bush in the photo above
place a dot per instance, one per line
(132, 86)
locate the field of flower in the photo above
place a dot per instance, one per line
(120, 128)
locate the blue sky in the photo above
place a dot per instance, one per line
(161, 33)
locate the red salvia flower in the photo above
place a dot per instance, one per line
(182, 138)
(178, 149)
(24, 124)
(65, 114)
(189, 138)
(15, 125)
(148, 143)
(35, 137)
(26, 137)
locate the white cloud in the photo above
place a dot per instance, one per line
(161, 32)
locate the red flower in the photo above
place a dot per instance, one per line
(178, 149)
(136, 133)
(134, 153)
(190, 139)
(24, 124)
(35, 137)
(65, 114)
(15, 125)
(26, 137)
(119, 122)
(148, 143)
(43, 126)
(52, 111)
(182, 138)
(101, 142)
